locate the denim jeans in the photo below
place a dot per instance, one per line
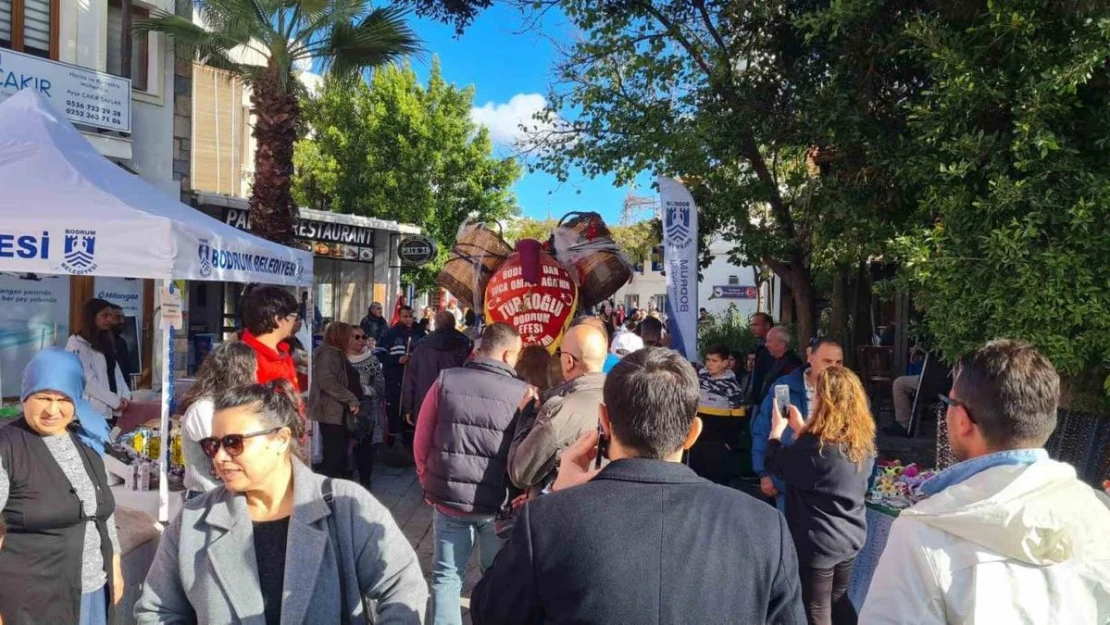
(94, 607)
(454, 541)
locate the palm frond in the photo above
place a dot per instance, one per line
(380, 38)
(210, 47)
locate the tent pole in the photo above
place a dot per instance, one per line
(168, 365)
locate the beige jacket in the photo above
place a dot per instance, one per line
(571, 410)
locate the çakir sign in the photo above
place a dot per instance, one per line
(416, 250)
(539, 312)
(83, 95)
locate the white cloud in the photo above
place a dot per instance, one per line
(505, 120)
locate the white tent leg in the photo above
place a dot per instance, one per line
(168, 365)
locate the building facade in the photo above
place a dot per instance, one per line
(723, 285)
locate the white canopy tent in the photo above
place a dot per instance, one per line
(65, 209)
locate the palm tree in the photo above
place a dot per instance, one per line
(345, 37)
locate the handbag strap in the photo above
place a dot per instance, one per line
(333, 538)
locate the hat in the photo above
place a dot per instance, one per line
(55, 369)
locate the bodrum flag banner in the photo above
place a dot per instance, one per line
(680, 242)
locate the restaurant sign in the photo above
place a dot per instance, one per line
(416, 250)
(84, 96)
(322, 238)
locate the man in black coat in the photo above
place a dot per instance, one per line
(644, 540)
(444, 348)
(761, 325)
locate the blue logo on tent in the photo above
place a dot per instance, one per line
(205, 254)
(79, 255)
(677, 224)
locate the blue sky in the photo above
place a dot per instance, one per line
(511, 71)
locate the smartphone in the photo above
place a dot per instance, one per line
(782, 396)
(602, 446)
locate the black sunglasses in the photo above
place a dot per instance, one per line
(953, 403)
(359, 337)
(232, 443)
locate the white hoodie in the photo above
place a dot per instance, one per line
(1012, 544)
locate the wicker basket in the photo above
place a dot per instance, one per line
(598, 266)
(478, 252)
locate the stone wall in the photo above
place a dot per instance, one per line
(183, 108)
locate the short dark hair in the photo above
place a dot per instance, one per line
(404, 308)
(263, 305)
(498, 336)
(651, 329)
(1011, 392)
(445, 321)
(818, 342)
(470, 318)
(764, 316)
(652, 397)
(276, 403)
(718, 350)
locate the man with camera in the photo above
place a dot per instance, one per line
(645, 540)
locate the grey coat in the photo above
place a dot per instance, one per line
(206, 572)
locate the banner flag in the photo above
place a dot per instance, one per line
(680, 242)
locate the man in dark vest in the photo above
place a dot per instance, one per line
(464, 431)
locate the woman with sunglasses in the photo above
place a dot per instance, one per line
(230, 364)
(278, 543)
(360, 353)
(826, 471)
(335, 398)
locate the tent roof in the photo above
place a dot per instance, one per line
(67, 209)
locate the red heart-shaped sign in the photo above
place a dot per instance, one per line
(541, 311)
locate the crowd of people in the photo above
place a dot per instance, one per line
(590, 480)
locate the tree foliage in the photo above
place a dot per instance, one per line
(780, 128)
(394, 149)
(1010, 147)
(343, 37)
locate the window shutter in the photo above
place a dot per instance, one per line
(36, 25)
(6, 21)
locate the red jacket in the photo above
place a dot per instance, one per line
(273, 364)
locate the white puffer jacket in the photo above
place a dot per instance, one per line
(97, 391)
(1012, 544)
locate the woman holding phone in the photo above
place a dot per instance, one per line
(826, 471)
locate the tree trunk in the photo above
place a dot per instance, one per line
(272, 211)
(805, 304)
(126, 37)
(840, 306)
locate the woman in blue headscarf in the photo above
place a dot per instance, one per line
(61, 558)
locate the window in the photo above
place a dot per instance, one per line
(733, 280)
(28, 26)
(140, 45)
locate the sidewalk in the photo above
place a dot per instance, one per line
(399, 491)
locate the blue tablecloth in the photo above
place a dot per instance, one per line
(879, 521)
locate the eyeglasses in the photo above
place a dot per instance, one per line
(359, 337)
(573, 358)
(232, 443)
(953, 403)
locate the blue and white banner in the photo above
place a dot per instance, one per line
(680, 242)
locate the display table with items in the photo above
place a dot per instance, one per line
(894, 488)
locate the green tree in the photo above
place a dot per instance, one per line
(780, 116)
(344, 37)
(1010, 148)
(395, 149)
